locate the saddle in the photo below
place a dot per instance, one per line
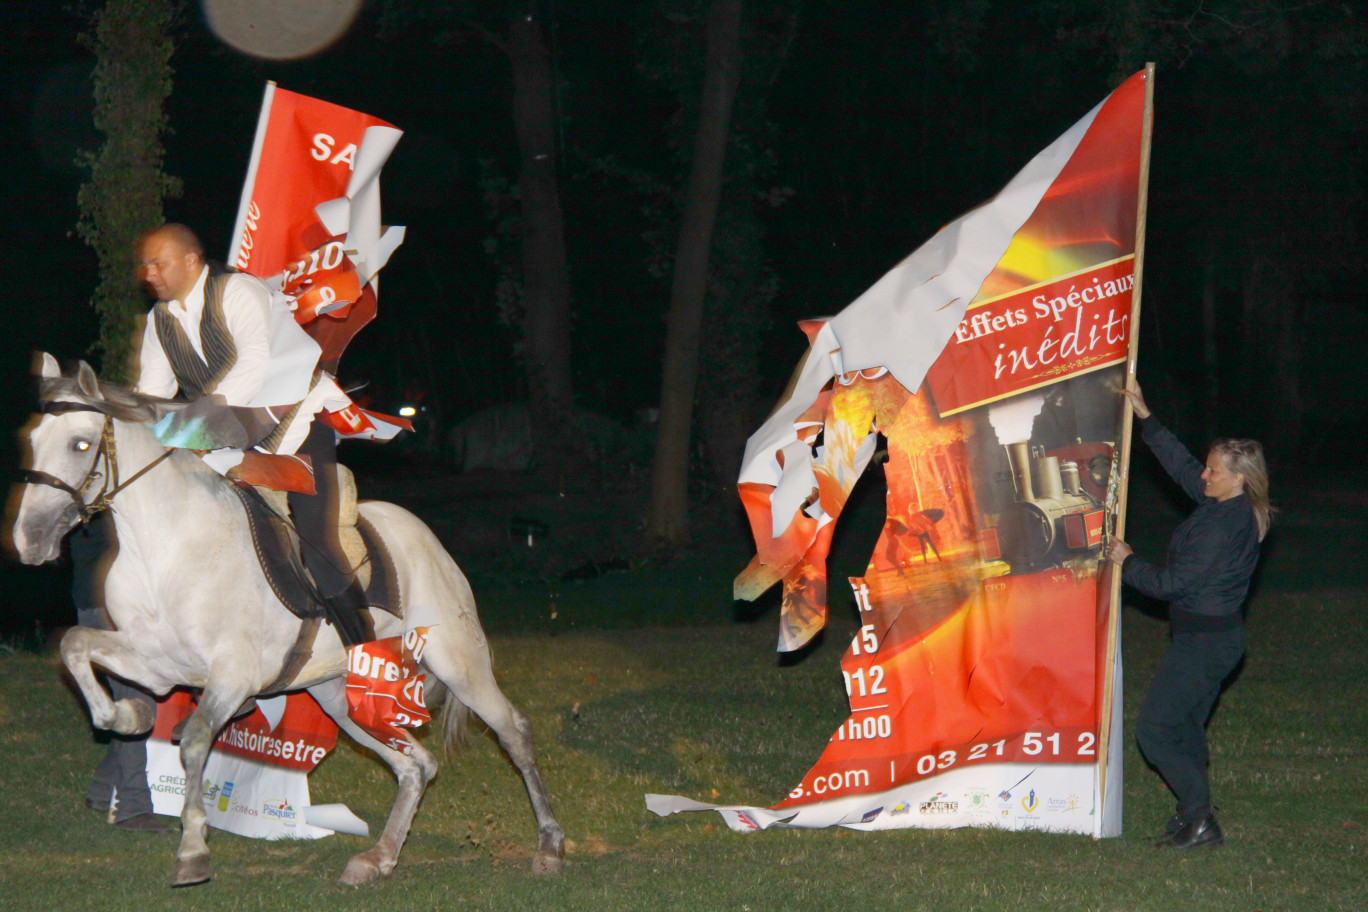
(277, 547)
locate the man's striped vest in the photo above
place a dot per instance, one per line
(195, 375)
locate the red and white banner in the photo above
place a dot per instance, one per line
(1029, 339)
(298, 738)
(309, 224)
(256, 778)
(983, 678)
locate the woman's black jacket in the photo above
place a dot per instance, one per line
(1211, 556)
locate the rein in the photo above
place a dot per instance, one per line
(104, 499)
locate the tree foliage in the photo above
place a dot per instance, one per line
(123, 197)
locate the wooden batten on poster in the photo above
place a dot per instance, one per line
(1127, 424)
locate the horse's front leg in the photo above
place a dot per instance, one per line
(221, 697)
(84, 646)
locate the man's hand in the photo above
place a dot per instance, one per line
(1119, 551)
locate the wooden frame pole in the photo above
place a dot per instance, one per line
(1127, 423)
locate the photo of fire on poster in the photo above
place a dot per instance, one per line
(985, 370)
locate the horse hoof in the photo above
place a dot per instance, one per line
(550, 857)
(133, 717)
(362, 870)
(190, 871)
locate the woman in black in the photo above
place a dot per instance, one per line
(1211, 560)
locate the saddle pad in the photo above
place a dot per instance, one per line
(277, 549)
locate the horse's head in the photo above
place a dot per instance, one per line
(63, 454)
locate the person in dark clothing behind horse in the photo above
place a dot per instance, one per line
(1211, 560)
(212, 333)
(119, 785)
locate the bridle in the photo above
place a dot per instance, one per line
(104, 498)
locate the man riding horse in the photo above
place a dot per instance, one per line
(216, 334)
(191, 606)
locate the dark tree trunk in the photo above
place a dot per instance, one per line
(667, 522)
(1281, 312)
(546, 277)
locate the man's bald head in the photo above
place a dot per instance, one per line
(180, 235)
(170, 259)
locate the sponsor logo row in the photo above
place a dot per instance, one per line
(1023, 804)
(220, 796)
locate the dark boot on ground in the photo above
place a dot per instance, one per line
(144, 823)
(1202, 833)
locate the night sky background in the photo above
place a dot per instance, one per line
(885, 121)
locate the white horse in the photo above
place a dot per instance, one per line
(193, 608)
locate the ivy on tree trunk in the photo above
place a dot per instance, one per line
(123, 197)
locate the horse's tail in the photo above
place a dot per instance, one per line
(451, 715)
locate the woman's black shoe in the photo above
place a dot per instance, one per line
(1196, 835)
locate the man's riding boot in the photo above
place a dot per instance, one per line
(346, 611)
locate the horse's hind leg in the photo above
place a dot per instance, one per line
(515, 737)
(470, 679)
(413, 772)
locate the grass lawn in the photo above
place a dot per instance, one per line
(708, 711)
(653, 680)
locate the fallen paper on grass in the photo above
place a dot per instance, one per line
(336, 817)
(740, 818)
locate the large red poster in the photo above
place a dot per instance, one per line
(309, 224)
(311, 155)
(976, 678)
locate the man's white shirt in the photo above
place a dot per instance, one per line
(275, 357)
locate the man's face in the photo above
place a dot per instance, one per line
(168, 267)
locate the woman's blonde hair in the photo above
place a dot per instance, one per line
(1246, 457)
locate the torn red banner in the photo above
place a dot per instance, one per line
(309, 223)
(299, 738)
(385, 687)
(983, 374)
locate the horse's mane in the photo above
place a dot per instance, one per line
(114, 400)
